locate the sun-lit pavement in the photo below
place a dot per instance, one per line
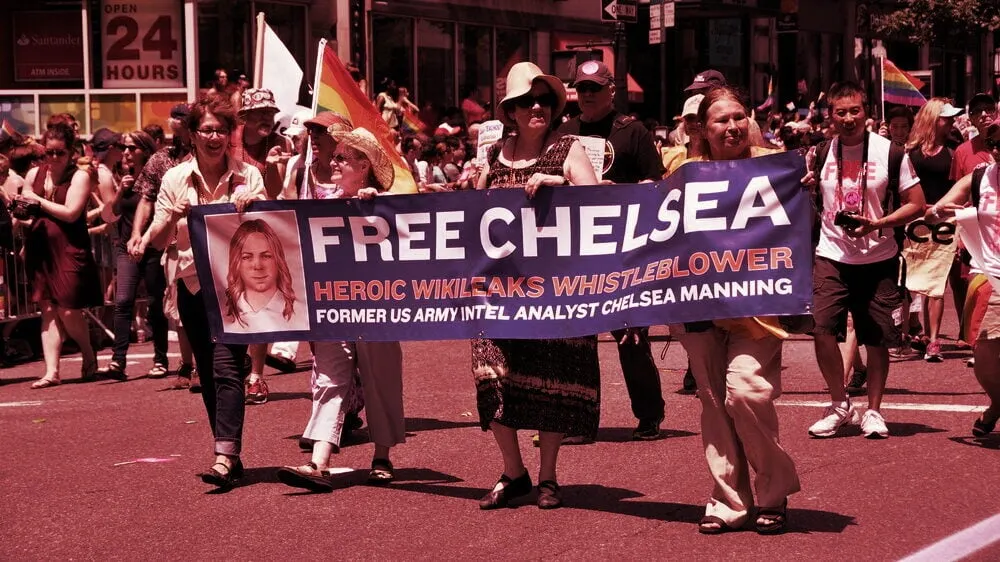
(72, 491)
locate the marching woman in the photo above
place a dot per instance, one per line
(359, 168)
(547, 385)
(211, 176)
(981, 322)
(57, 250)
(737, 365)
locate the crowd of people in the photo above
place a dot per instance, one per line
(871, 287)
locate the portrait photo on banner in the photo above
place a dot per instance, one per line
(257, 271)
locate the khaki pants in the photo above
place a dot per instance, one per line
(738, 380)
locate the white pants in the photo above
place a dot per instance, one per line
(380, 366)
(286, 349)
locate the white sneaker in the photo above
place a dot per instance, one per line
(833, 417)
(873, 425)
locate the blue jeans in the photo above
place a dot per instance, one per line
(130, 272)
(222, 367)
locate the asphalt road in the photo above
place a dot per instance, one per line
(67, 495)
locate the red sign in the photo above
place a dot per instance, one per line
(48, 46)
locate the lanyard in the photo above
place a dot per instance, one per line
(864, 174)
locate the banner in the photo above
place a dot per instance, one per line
(714, 240)
(141, 44)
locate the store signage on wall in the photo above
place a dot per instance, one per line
(141, 44)
(48, 46)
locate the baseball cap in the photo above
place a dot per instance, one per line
(948, 110)
(691, 105)
(297, 125)
(326, 119)
(705, 80)
(594, 71)
(982, 99)
(180, 111)
(103, 140)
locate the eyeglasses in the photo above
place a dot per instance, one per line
(528, 101)
(213, 132)
(589, 88)
(53, 153)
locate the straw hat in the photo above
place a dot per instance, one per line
(521, 78)
(364, 141)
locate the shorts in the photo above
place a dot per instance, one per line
(981, 316)
(870, 292)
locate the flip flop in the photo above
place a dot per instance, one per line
(45, 383)
(381, 473)
(296, 477)
(707, 526)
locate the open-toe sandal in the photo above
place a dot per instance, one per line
(381, 473)
(45, 383)
(712, 525)
(771, 521)
(113, 371)
(308, 477)
(157, 372)
(983, 427)
(224, 478)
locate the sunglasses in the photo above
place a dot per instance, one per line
(54, 153)
(589, 88)
(528, 101)
(123, 147)
(342, 158)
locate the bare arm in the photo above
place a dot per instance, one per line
(577, 169)
(76, 199)
(955, 199)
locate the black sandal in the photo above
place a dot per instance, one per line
(381, 473)
(224, 480)
(297, 478)
(549, 496)
(771, 520)
(712, 525)
(982, 428)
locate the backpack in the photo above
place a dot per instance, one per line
(977, 183)
(892, 198)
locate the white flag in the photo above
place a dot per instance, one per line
(280, 73)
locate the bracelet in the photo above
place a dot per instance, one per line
(935, 211)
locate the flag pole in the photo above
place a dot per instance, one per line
(882, 80)
(258, 58)
(315, 105)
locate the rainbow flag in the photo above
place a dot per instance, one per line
(899, 87)
(335, 90)
(411, 122)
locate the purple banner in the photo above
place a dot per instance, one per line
(714, 240)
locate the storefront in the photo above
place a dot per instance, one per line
(123, 65)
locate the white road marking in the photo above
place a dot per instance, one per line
(20, 404)
(960, 544)
(963, 408)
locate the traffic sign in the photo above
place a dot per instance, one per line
(619, 10)
(660, 9)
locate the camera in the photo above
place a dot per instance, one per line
(22, 209)
(847, 219)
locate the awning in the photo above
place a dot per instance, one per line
(635, 92)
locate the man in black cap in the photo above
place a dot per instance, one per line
(705, 81)
(629, 157)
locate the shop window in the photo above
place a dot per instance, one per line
(224, 40)
(513, 46)
(19, 112)
(436, 62)
(475, 62)
(114, 111)
(392, 51)
(156, 107)
(75, 105)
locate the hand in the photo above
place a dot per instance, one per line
(127, 181)
(31, 196)
(367, 193)
(137, 247)
(809, 180)
(539, 180)
(883, 131)
(242, 200)
(276, 156)
(180, 209)
(608, 182)
(938, 213)
(866, 227)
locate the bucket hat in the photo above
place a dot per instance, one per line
(257, 98)
(521, 78)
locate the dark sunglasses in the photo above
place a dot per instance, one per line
(589, 88)
(125, 147)
(53, 153)
(528, 101)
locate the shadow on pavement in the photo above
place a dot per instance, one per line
(431, 424)
(279, 396)
(905, 391)
(817, 521)
(909, 429)
(624, 434)
(991, 441)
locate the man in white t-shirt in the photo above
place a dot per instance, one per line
(857, 258)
